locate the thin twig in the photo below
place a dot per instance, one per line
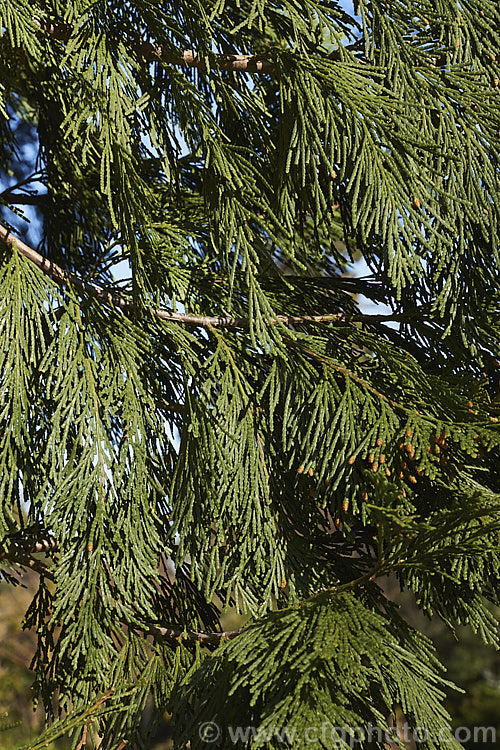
(111, 298)
(21, 554)
(26, 561)
(368, 577)
(44, 545)
(34, 177)
(83, 739)
(23, 199)
(212, 638)
(158, 631)
(183, 635)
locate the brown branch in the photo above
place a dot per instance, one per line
(59, 274)
(183, 635)
(44, 545)
(83, 739)
(158, 631)
(22, 551)
(26, 561)
(188, 58)
(22, 199)
(213, 638)
(111, 298)
(20, 554)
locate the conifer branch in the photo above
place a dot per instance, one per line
(23, 557)
(32, 548)
(103, 295)
(22, 551)
(183, 635)
(22, 199)
(59, 274)
(212, 638)
(188, 58)
(237, 63)
(26, 561)
(363, 383)
(20, 554)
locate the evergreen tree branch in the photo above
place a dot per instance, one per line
(237, 63)
(59, 274)
(44, 545)
(22, 200)
(361, 381)
(203, 638)
(378, 570)
(272, 445)
(21, 555)
(22, 551)
(26, 561)
(103, 295)
(188, 58)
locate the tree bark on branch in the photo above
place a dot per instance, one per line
(188, 58)
(62, 276)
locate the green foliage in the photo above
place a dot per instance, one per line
(241, 457)
(329, 662)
